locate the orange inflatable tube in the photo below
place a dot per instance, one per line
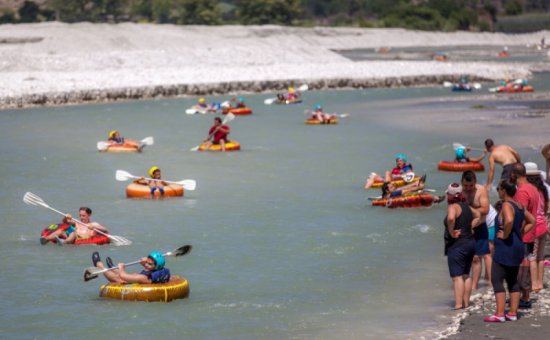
(409, 201)
(397, 182)
(126, 147)
(237, 111)
(176, 288)
(460, 166)
(135, 190)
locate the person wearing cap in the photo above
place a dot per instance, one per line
(203, 107)
(503, 155)
(534, 176)
(460, 243)
(239, 102)
(528, 196)
(321, 116)
(292, 94)
(156, 183)
(478, 199)
(397, 173)
(154, 270)
(512, 222)
(116, 139)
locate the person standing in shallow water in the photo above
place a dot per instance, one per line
(513, 221)
(478, 199)
(460, 243)
(501, 154)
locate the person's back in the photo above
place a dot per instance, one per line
(504, 155)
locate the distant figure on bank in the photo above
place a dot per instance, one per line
(503, 155)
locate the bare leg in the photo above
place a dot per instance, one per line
(514, 302)
(222, 144)
(467, 290)
(112, 275)
(488, 260)
(476, 271)
(501, 303)
(458, 285)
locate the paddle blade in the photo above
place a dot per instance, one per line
(196, 148)
(447, 84)
(32, 199)
(408, 177)
(148, 141)
(122, 175)
(476, 86)
(188, 184)
(229, 117)
(91, 273)
(457, 146)
(226, 104)
(102, 146)
(180, 251)
(269, 101)
(303, 88)
(190, 111)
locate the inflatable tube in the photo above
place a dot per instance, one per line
(462, 87)
(53, 227)
(177, 288)
(122, 148)
(238, 111)
(409, 201)
(134, 190)
(229, 146)
(314, 121)
(288, 101)
(503, 54)
(458, 166)
(98, 239)
(397, 182)
(515, 89)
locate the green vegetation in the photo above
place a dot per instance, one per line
(429, 15)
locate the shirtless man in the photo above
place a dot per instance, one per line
(478, 199)
(83, 232)
(502, 154)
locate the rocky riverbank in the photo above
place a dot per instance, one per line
(58, 64)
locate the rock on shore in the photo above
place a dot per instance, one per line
(55, 63)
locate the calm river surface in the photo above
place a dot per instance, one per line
(286, 244)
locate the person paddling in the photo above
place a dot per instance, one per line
(116, 139)
(156, 183)
(217, 135)
(401, 168)
(461, 155)
(154, 270)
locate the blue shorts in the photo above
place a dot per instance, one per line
(482, 247)
(491, 230)
(460, 257)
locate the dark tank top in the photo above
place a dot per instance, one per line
(464, 224)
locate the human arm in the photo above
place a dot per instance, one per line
(95, 225)
(507, 214)
(528, 222)
(131, 278)
(476, 220)
(141, 181)
(491, 173)
(452, 213)
(477, 159)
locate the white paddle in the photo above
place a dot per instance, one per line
(103, 146)
(458, 146)
(228, 117)
(92, 272)
(32, 199)
(340, 115)
(270, 101)
(476, 86)
(187, 184)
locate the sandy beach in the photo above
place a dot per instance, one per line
(56, 63)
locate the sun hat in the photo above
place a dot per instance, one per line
(531, 169)
(454, 189)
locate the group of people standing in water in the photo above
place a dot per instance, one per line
(508, 238)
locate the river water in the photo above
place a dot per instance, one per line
(286, 244)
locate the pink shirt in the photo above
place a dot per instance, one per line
(541, 226)
(528, 196)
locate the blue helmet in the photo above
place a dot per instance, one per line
(241, 99)
(460, 153)
(318, 107)
(401, 156)
(158, 258)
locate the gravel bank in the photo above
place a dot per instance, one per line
(56, 63)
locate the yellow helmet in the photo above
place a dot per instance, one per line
(152, 170)
(291, 89)
(112, 134)
(202, 100)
